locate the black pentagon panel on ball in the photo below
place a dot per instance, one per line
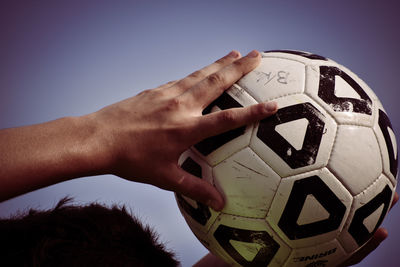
(323, 194)
(192, 167)
(208, 145)
(224, 101)
(202, 213)
(357, 228)
(384, 124)
(326, 91)
(268, 246)
(299, 53)
(308, 153)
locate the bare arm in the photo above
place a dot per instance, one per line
(139, 139)
(40, 155)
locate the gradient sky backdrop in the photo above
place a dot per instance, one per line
(67, 58)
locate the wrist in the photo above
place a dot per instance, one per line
(93, 146)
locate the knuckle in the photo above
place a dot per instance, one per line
(199, 74)
(221, 61)
(182, 84)
(171, 82)
(239, 64)
(228, 116)
(154, 94)
(145, 92)
(175, 103)
(167, 85)
(217, 78)
(181, 180)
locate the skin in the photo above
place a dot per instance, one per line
(155, 126)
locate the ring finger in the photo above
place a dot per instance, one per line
(197, 76)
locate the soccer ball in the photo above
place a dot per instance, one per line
(307, 186)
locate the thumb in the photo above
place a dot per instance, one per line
(370, 246)
(197, 189)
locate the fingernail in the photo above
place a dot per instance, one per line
(233, 54)
(253, 53)
(271, 106)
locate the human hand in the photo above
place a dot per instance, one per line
(144, 136)
(380, 235)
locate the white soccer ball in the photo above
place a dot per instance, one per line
(305, 187)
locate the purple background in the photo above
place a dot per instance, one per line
(74, 57)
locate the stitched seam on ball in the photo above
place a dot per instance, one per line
(308, 60)
(212, 224)
(321, 106)
(305, 62)
(329, 111)
(245, 217)
(330, 155)
(244, 89)
(353, 208)
(266, 163)
(370, 185)
(280, 180)
(354, 124)
(381, 153)
(273, 98)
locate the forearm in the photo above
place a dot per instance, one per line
(36, 156)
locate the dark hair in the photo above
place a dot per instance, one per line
(91, 235)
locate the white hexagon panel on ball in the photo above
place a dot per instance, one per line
(243, 241)
(327, 254)
(274, 77)
(248, 184)
(367, 212)
(309, 209)
(197, 215)
(356, 157)
(298, 138)
(217, 148)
